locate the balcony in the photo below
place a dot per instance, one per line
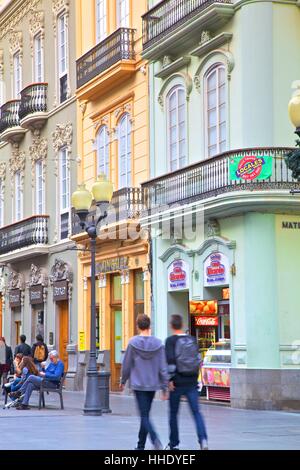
(208, 181)
(30, 234)
(114, 55)
(10, 127)
(174, 26)
(126, 205)
(33, 109)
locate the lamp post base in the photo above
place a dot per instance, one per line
(92, 406)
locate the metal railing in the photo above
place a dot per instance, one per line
(25, 233)
(169, 14)
(127, 203)
(33, 99)
(211, 177)
(118, 46)
(10, 115)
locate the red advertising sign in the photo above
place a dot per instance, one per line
(206, 321)
(216, 377)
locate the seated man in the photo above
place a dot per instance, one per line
(52, 376)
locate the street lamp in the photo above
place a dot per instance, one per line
(102, 191)
(293, 158)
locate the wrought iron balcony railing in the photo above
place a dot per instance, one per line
(211, 177)
(170, 14)
(33, 99)
(25, 233)
(10, 115)
(126, 204)
(116, 47)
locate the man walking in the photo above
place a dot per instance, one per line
(183, 361)
(23, 348)
(39, 351)
(144, 365)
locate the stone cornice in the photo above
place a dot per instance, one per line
(14, 14)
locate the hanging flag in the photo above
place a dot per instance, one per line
(250, 167)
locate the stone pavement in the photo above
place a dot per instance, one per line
(228, 429)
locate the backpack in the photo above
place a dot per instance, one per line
(39, 353)
(187, 356)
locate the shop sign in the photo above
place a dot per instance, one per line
(60, 290)
(204, 307)
(250, 167)
(178, 276)
(216, 377)
(15, 298)
(206, 321)
(112, 265)
(216, 268)
(81, 341)
(36, 295)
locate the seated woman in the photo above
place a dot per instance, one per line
(17, 372)
(27, 368)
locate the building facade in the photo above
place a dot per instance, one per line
(112, 96)
(225, 228)
(38, 164)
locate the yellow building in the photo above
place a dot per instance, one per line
(112, 96)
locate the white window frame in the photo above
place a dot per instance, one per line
(18, 199)
(64, 192)
(125, 119)
(175, 90)
(123, 19)
(215, 69)
(101, 20)
(17, 67)
(62, 45)
(102, 149)
(38, 58)
(1, 202)
(39, 188)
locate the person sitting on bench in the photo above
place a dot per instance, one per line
(51, 376)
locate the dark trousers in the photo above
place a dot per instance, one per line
(192, 396)
(144, 403)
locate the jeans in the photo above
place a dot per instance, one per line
(144, 402)
(33, 383)
(191, 394)
(16, 385)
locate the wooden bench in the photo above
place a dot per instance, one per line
(44, 388)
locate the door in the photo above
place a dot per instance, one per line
(116, 352)
(17, 332)
(63, 332)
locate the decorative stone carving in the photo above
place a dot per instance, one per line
(166, 61)
(124, 277)
(102, 281)
(16, 17)
(197, 83)
(15, 280)
(213, 228)
(16, 164)
(62, 136)
(2, 171)
(185, 77)
(36, 26)
(85, 283)
(38, 151)
(218, 55)
(15, 45)
(1, 65)
(61, 271)
(37, 276)
(205, 37)
(60, 5)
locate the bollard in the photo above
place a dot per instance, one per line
(104, 380)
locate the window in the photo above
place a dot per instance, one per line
(38, 59)
(215, 84)
(39, 188)
(64, 179)
(100, 20)
(17, 74)
(176, 128)
(63, 57)
(1, 203)
(139, 295)
(123, 13)
(102, 143)
(18, 197)
(125, 152)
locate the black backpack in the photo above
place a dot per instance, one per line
(187, 356)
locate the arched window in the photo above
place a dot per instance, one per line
(216, 109)
(176, 128)
(102, 145)
(125, 152)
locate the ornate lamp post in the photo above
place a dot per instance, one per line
(293, 157)
(102, 191)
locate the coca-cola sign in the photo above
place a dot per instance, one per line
(206, 321)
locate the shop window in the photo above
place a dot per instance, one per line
(116, 289)
(139, 296)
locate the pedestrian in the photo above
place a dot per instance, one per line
(144, 365)
(6, 361)
(51, 376)
(23, 348)
(39, 351)
(25, 368)
(183, 362)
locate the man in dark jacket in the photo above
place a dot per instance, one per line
(182, 384)
(144, 365)
(39, 351)
(23, 348)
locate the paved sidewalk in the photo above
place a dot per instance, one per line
(228, 429)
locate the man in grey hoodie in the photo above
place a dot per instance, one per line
(145, 366)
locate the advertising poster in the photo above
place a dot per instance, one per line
(250, 168)
(178, 276)
(216, 377)
(216, 270)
